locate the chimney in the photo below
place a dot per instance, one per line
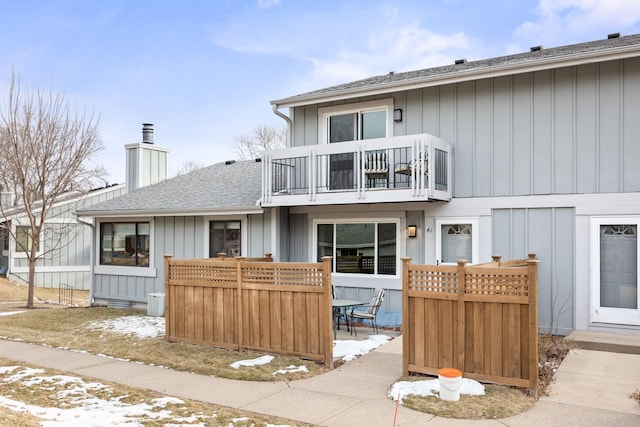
(147, 133)
(147, 164)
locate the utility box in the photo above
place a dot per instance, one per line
(155, 305)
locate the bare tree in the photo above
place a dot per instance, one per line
(46, 148)
(264, 137)
(189, 166)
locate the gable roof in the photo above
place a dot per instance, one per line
(222, 187)
(575, 54)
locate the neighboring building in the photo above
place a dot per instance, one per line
(64, 247)
(528, 153)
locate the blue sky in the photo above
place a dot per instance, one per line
(204, 72)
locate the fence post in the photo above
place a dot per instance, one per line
(240, 304)
(406, 329)
(460, 363)
(167, 298)
(328, 312)
(532, 266)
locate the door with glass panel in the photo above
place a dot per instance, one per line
(346, 127)
(456, 239)
(615, 278)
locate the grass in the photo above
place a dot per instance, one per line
(69, 328)
(52, 395)
(498, 402)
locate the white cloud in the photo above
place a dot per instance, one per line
(575, 19)
(405, 48)
(266, 4)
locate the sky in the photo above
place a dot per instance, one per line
(204, 72)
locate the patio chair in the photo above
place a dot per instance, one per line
(370, 313)
(337, 313)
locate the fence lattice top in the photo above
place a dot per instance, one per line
(431, 278)
(280, 274)
(512, 282)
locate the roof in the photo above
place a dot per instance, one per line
(221, 187)
(575, 54)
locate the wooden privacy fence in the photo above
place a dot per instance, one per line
(252, 304)
(481, 319)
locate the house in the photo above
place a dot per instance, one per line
(527, 153)
(195, 215)
(63, 250)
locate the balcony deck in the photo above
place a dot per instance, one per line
(397, 169)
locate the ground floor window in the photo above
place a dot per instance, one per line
(225, 237)
(24, 239)
(364, 248)
(125, 243)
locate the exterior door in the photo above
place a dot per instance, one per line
(615, 279)
(456, 239)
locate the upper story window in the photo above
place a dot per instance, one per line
(125, 243)
(354, 122)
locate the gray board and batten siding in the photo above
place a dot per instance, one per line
(69, 263)
(565, 131)
(184, 238)
(570, 130)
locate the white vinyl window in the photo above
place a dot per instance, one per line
(456, 239)
(355, 122)
(359, 247)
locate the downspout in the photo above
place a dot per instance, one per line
(91, 257)
(289, 123)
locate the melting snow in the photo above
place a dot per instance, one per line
(426, 388)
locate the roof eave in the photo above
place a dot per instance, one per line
(130, 213)
(569, 60)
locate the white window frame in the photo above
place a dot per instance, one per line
(361, 107)
(475, 237)
(611, 315)
(244, 240)
(118, 270)
(399, 249)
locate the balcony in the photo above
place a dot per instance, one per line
(398, 169)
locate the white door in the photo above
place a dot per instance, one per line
(614, 281)
(456, 239)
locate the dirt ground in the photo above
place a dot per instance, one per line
(13, 296)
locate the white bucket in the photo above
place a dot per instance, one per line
(450, 382)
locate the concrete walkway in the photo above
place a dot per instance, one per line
(592, 388)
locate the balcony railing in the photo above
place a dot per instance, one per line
(397, 169)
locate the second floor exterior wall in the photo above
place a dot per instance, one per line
(568, 130)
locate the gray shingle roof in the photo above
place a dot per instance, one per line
(219, 187)
(522, 59)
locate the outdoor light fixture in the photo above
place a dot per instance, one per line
(412, 231)
(397, 115)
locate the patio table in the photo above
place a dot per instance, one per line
(343, 305)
